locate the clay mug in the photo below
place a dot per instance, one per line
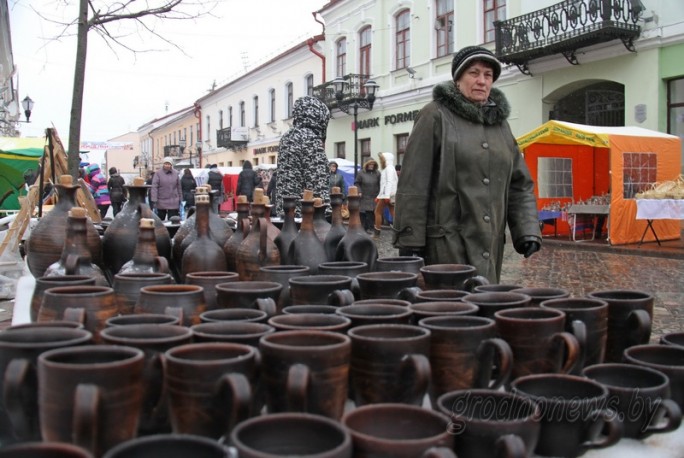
(249, 294)
(630, 314)
(282, 274)
(490, 423)
(142, 318)
(490, 303)
(43, 283)
(347, 268)
(410, 264)
(318, 321)
(90, 395)
(251, 315)
(127, 287)
(321, 289)
(667, 359)
(639, 396)
(211, 386)
(575, 414)
(593, 315)
(389, 363)
(401, 302)
(44, 450)
(309, 308)
(306, 371)
(46, 324)
(169, 446)
(153, 340)
(362, 314)
(242, 332)
(19, 350)
(385, 285)
(452, 276)
(89, 305)
(291, 434)
(538, 294)
(496, 288)
(185, 301)
(416, 294)
(390, 430)
(539, 341)
(208, 280)
(673, 338)
(464, 350)
(422, 310)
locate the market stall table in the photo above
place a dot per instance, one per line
(595, 211)
(549, 217)
(652, 209)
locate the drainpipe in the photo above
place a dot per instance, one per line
(198, 115)
(311, 41)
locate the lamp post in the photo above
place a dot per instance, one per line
(354, 103)
(27, 104)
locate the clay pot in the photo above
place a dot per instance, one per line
(43, 283)
(146, 257)
(307, 249)
(452, 276)
(289, 231)
(411, 264)
(337, 228)
(188, 300)
(356, 245)
(261, 295)
(282, 274)
(256, 251)
(320, 224)
(203, 254)
(208, 280)
(127, 287)
(231, 246)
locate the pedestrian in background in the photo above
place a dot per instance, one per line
(368, 183)
(248, 181)
(302, 163)
(215, 180)
(388, 189)
(117, 193)
(97, 183)
(271, 191)
(336, 180)
(463, 177)
(188, 186)
(166, 191)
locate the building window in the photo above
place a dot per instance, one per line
(256, 111)
(230, 116)
(340, 150)
(401, 142)
(365, 41)
(208, 125)
(272, 103)
(220, 119)
(403, 40)
(554, 177)
(493, 10)
(444, 27)
(638, 172)
(341, 57)
(365, 149)
(309, 84)
(290, 99)
(675, 110)
(242, 114)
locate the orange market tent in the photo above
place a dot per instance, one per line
(606, 160)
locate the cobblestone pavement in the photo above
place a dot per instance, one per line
(581, 271)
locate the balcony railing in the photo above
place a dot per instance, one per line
(353, 90)
(564, 28)
(173, 150)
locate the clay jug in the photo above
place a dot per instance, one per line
(75, 258)
(337, 228)
(45, 283)
(321, 225)
(255, 251)
(121, 237)
(273, 231)
(307, 249)
(356, 245)
(46, 241)
(203, 253)
(289, 230)
(282, 274)
(233, 243)
(146, 258)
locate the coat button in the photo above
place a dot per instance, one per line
(486, 218)
(485, 145)
(485, 254)
(485, 181)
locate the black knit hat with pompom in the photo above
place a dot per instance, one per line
(464, 57)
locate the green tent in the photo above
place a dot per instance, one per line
(17, 155)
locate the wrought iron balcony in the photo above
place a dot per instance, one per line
(354, 91)
(566, 27)
(173, 151)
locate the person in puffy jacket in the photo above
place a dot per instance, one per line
(97, 183)
(117, 193)
(166, 192)
(388, 188)
(302, 163)
(368, 182)
(248, 181)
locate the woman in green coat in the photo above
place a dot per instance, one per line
(463, 178)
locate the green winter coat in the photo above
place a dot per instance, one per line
(462, 180)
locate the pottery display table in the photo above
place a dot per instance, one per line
(652, 209)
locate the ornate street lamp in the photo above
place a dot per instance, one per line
(27, 104)
(353, 104)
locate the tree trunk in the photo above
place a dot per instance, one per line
(79, 83)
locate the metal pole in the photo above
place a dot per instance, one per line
(356, 141)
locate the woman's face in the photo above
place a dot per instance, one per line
(475, 83)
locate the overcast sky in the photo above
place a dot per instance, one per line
(125, 90)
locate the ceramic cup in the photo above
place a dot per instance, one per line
(639, 395)
(185, 301)
(169, 446)
(398, 431)
(490, 303)
(306, 371)
(208, 280)
(90, 395)
(239, 314)
(248, 294)
(361, 314)
(575, 414)
(667, 359)
(127, 287)
(282, 274)
(630, 314)
(44, 450)
(538, 294)
(452, 276)
(319, 321)
(673, 338)
(292, 309)
(142, 318)
(464, 350)
(440, 308)
(321, 289)
(347, 268)
(243, 332)
(43, 283)
(538, 339)
(385, 285)
(416, 294)
(389, 363)
(489, 423)
(496, 288)
(410, 264)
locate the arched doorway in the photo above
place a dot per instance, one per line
(595, 104)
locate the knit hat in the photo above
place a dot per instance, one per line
(168, 159)
(469, 54)
(92, 168)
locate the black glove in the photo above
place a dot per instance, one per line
(412, 251)
(529, 248)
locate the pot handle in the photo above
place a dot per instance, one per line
(471, 283)
(510, 446)
(438, 452)
(605, 431)
(668, 410)
(341, 297)
(21, 403)
(71, 264)
(162, 264)
(266, 304)
(297, 389)
(579, 330)
(235, 391)
(415, 367)
(86, 415)
(640, 327)
(572, 351)
(485, 355)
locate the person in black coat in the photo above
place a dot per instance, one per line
(115, 185)
(248, 180)
(188, 185)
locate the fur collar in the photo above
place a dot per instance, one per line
(495, 111)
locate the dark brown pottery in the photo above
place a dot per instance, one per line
(411, 264)
(185, 301)
(667, 359)
(282, 274)
(43, 283)
(255, 251)
(538, 294)
(230, 247)
(452, 276)
(321, 289)
(337, 227)
(204, 253)
(259, 295)
(490, 303)
(320, 225)
(673, 338)
(44, 450)
(495, 288)
(243, 332)
(142, 318)
(355, 244)
(169, 446)
(289, 231)
(146, 258)
(317, 321)
(127, 287)
(309, 308)
(435, 295)
(208, 281)
(307, 249)
(385, 285)
(236, 314)
(422, 310)
(375, 314)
